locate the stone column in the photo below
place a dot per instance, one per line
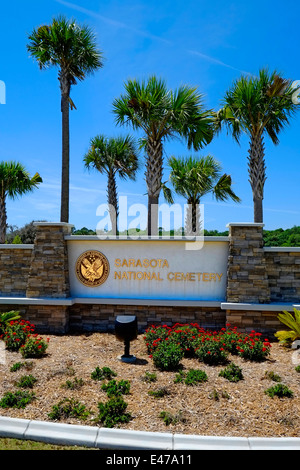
(49, 270)
(247, 274)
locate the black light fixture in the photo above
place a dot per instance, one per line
(126, 330)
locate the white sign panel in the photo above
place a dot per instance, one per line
(147, 269)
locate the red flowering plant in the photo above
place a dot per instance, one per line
(253, 348)
(35, 346)
(186, 336)
(154, 335)
(230, 337)
(212, 350)
(16, 333)
(211, 347)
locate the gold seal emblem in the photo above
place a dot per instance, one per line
(92, 268)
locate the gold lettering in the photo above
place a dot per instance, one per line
(118, 262)
(146, 263)
(219, 276)
(170, 276)
(192, 277)
(205, 277)
(131, 262)
(117, 274)
(124, 275)
(165, 264)
(138, 263)
(212, 277)
(153, 263)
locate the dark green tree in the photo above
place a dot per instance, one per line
(193, 178)
(258, 106)
(14, 181)
(112, 156)
(73, 50)
(162, 114)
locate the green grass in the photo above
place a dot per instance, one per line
(18, 444)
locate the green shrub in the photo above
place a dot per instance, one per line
(232, 372)
(272, 376)
(113, 412)
(26, 381)
(192, 377)
(69, 408)
(171, 418)
(17, 399)
(104, 373)
(73, 384)
(297, 368)
(279, 390)
(167, 356)
(114, 388)
(159, 393)
(215, 395)
(18, 365)
(149, 377)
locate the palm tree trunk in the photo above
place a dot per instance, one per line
(257, 174)
(113, 201)
(65, 173)
(3, 220)
(192, 219)
(154, 170)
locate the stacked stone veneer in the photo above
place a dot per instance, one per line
(283, 271)
(49, 271)
(256, 278)
(86, 317)
(247, 278)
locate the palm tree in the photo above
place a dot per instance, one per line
(115, 155)
(15, 181)
(162, 114)
(72, 48)
(194, 177)
(257, 106)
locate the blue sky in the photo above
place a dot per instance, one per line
(207, 44)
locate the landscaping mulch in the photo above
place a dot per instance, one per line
(216, 407)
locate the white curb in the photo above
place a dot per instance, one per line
(120, 439)
(195, 442)
(133, 440)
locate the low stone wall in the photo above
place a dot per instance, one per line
(263, 321)
(15, 262)
(52, 319)
(84, 317)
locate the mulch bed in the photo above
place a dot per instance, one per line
(217, 407)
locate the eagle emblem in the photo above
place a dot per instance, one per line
(92, 268)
